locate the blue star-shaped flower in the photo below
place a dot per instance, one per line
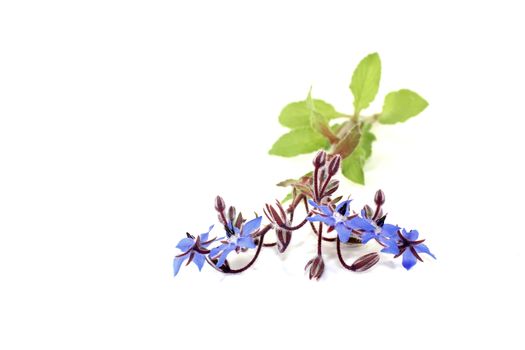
(334, 218)
(236, 239)
(408, 246)
(370, 229)
(193, 250)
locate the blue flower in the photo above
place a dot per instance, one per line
(408, 246)
(336, 219)
(193, 250)
(370, 229)
(236, 239)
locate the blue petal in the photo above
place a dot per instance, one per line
(412, 235)
(340, 205)
(204, 236)
(199, 259)
(251, 226)
(421, 248)
(215, 251)
(367, 237)
(330, 221)
(246, 242)
(391, 248)
(409, 259)
(323, 208)
(185, 244)
(177, 262)
(358, 223)
(224, 254)
(389, 230)
(343, 232)
(313, 204)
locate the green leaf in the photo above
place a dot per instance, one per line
(298, 141)
(352, 166)
(367, 137)
(297, 114)
(401, 105)
(288, 197)
(318, 121)
(365, 81)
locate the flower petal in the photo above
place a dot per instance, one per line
(412, 235)
(324, 219)
(343, 232)
(358, 223)
(185, 244)
(367, 236)
(409, 259)
(391, 248)
(421, 248)
(177, 262)
(389, 230)
(199, 259)
(204, 236)
(216, 251)
(340, 206)
(224, 254)
(323, 208)
(251, 226)
(246, 242)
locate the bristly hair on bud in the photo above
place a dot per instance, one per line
(379, 198)
(219, 204)
(333, 166)
(320, 159)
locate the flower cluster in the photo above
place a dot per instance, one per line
(322, 211)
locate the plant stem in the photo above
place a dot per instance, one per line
(340, 256)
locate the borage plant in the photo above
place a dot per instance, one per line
(323, 210)
(349, 143)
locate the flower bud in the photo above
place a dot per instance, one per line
(379, 198)
(320, 159)
(219, 204)
(333, 166)
(368, 211)
(365, 262)
(231, 214)
(283, 239)
(316, 268)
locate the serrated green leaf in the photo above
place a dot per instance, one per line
(401, 105)
(298, 141)
(352, 166)
(297, 114)
(365, 81)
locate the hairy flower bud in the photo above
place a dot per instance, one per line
(379, 198)
(333, 166)
(365, 262)
(219, 204)
(320, 159)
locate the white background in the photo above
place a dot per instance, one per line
(121, 120)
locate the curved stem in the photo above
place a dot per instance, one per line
(296, 227)
(261, 244)
(340, 256)
(270, 244)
